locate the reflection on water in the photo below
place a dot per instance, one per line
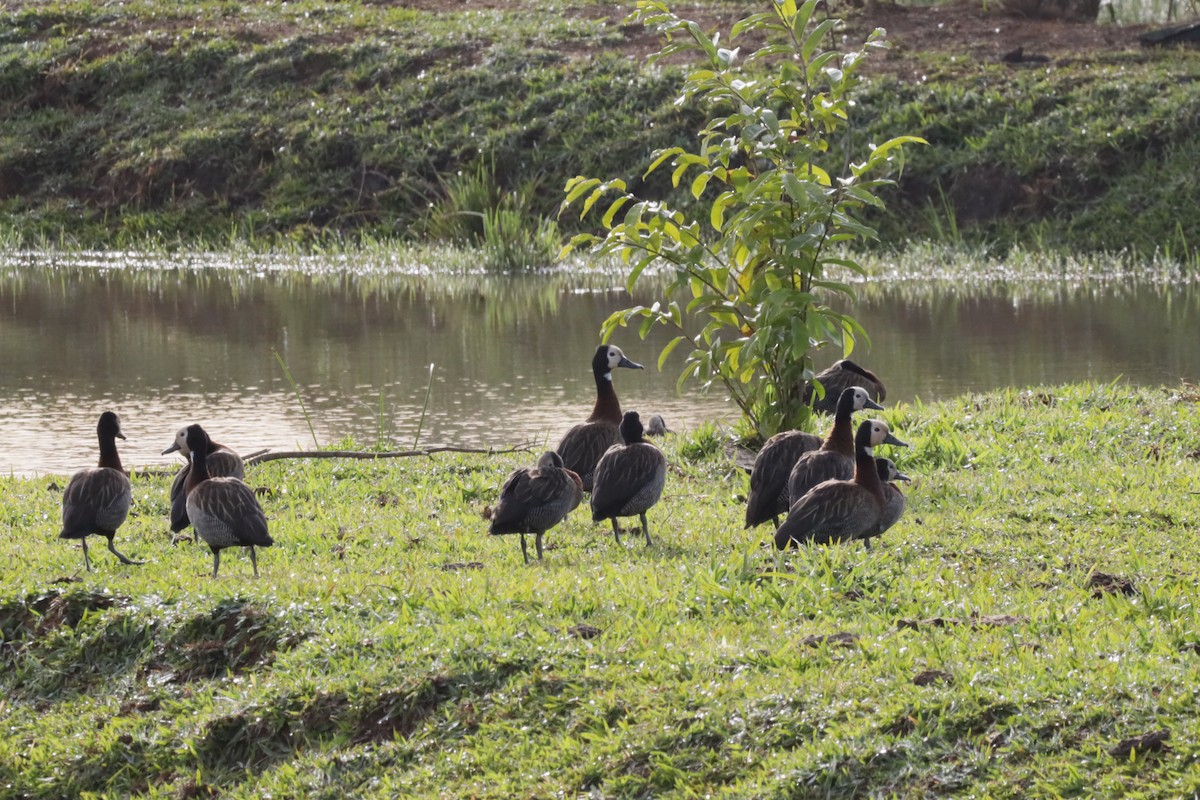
(165, 344)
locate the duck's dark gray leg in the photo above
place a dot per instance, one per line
(254, 560)
(538, 542)
(616, 530)
(775, 519)
(216, 560)
(87, 562)
(524, 552)
(646, 528)
(124, 558)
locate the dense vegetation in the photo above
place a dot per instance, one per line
(1028, 619)
(199, 122)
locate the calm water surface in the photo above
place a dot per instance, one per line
(165, 343)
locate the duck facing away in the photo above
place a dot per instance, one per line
(768, 497)
(223, 511)
(835, 459)
(837, 510)
(583, 445)
(893, 499)
(223, 462)
(534, 500)
(836, 379)
(629, 478)
(97, 500)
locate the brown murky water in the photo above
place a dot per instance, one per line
(167, 343)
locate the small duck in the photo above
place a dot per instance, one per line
(837, 510)
(629, 478)
(97, 500)
(657, 426)
(535, 500)
(893, 499)
(223, 511)
(769, 494)
(835, 459)
(584, 444)
(223, 462)
(840, 375)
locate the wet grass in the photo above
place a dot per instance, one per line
(1031, 615)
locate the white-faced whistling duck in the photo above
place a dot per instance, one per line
(629, 478)
(836, 379)
(224, 511)
(768, 496)
(222, 461)
(97, 500)
(583, 445)
(836, 511)
(893, 498)
(835, 459)
(534, 500)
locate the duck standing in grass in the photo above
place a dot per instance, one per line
(836, 379)
(629, 478)
(223, 511)
(97, 500)
(835, 459)
(222, 461)
(893, 499)
(837, 510)
(769, 497)
(534, 500)
(583, 445)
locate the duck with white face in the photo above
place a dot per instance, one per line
(222, 461)
(840, 510)
(771, 478)
(583, 445)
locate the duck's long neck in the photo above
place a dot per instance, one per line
(198, 474)
(841, 435)
(866, 473)
(108, 453)
(608, 407)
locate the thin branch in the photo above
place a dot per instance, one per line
(367, 455)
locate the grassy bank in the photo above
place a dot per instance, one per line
(204, 123)
(1033, 610)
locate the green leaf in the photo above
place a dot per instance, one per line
(667, 350)
(616, 206)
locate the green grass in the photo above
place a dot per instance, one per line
(391, 648)
(212, 123)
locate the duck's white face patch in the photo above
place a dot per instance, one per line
(614, 357)
(860, 399)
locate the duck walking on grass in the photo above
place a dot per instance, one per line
(836, 379)
(836, 510)
(97, 499)
(835, 459)
(583, 445)
(223, 511)
(222, 461)
(629, 478)
(769, 497)
(534, 500)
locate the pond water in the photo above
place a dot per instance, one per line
(167, 343)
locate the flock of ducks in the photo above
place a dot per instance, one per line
(832, 489)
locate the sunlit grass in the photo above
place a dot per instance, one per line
(1034, 608)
